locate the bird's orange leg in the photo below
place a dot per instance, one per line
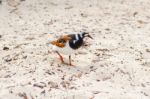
(61, 58)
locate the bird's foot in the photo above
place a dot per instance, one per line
(71, 64)
(68, 64)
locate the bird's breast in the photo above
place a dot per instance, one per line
(75, 44)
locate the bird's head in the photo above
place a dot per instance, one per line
(85, 34)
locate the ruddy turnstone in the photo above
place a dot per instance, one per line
(67, 44)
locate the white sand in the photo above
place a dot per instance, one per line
(116, 65)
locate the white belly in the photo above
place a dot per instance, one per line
(65, 50)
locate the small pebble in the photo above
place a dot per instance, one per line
(6, 48)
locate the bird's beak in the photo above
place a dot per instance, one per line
(90, 36)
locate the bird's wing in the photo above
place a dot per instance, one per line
(58, 43)
(61, 42)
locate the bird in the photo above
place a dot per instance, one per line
(68, 44)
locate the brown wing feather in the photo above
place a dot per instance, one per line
(57, 43)
(61, 42)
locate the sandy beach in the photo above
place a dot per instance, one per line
(114, 65)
